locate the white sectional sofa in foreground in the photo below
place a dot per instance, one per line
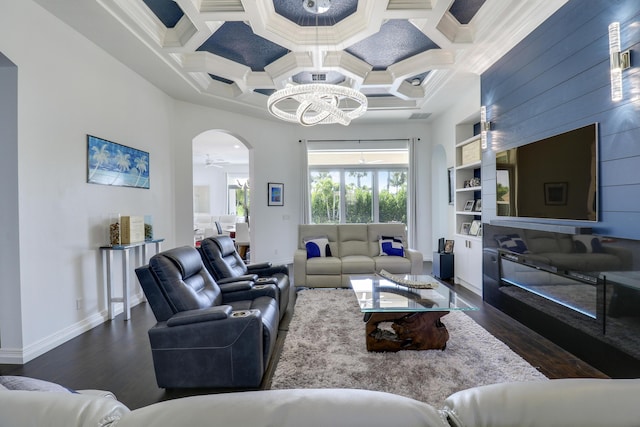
(567, 402)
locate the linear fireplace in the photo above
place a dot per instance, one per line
(582, 291)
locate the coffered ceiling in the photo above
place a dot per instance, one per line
(407, 56)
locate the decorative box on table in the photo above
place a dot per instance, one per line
(124, 230)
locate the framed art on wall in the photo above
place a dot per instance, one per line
(275, 194)
(450, 178)
(110, 163)
(555, 193)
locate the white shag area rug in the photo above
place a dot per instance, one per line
(325, 348)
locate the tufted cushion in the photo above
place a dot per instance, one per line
(188, 261)
(513, 243)
(226, 246)
(185, 283)
(317, 247)
(587, 244)
(391, 246)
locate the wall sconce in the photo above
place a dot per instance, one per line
(485, 127)
(619, 61)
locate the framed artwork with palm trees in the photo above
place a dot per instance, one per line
(110, 163)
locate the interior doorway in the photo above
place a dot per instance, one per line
(221, 182)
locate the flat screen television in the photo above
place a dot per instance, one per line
(555, 177)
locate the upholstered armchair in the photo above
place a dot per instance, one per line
(226, 266)
(207, 337)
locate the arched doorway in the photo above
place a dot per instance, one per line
(221, 182)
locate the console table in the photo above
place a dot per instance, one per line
(107, 262)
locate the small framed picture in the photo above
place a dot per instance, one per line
(477, 206)
(475, 227)
(451, 192)
(468, 206)
(465, 227)
(275, 193)
(555, 193)
(448, 246)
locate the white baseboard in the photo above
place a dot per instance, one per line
(20, 356)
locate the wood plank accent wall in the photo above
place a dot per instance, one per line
(557, 79)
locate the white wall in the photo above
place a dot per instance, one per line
(9, 215)
(68, 88)
(216, 179)
(444, 135)
(275, 157)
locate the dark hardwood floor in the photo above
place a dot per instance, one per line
(116, 355)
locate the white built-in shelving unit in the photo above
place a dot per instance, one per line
(468, 214)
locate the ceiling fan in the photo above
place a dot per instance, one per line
(218, 163)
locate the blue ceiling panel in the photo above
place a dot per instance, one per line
(465, 10)
(221, 79)
(167, 11)
(266, 92)
(237, 42)
(295, 12)
(396, 40)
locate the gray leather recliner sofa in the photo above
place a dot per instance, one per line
(226, 266)
(207, 337)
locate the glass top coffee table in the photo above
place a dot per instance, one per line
(405, 317)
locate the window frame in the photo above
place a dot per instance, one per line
(375, 184)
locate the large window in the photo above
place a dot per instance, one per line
(351, 186)
(238, 199)
(325, 197)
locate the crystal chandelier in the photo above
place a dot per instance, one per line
(317, 103)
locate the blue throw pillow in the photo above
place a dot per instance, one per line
(391, 246)
(513, 243)
(317, 247)
(586, 244)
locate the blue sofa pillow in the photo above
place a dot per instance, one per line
(586, 244)
(391, 246)
(513, 243)
(317, 247)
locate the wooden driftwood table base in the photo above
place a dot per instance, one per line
(413, 331)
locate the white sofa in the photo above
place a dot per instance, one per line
(204, 225)
(570, 402)
(355, 249)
